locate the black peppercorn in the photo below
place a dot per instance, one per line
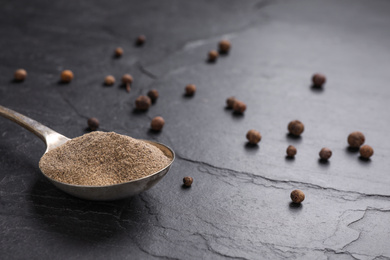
(213, 55)
(190, 90)
(366, 151)
(20, 75)
(157, 123)
(291, 151)
(224, 46)
(230, 102)
(239, 107)
(127, 80)
(325, 153)
(109, 80)
(118, 52)
(253, 136)
(143, 103)
(318, 80)
(187, 181)
(356, 139)
(66, 76)
(296, 127)
(93, 123)
(153, 94)
(140, 40)
(297, 196)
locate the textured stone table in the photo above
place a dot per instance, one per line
(239, 205)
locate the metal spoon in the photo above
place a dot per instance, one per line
(109, 192)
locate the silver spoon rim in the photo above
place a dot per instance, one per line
(123, 183)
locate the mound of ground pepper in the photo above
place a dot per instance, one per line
(99, 159)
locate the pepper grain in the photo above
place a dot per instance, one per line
(153, 95)
(143, 103)
(239, 107)
(67, 76)
(318, 80)
(93, 123)
(190, 90)
(356, 139)
(325, 153)
(20, 75)
(109, 80)
(253, 136)
(366, 151)
(296, 127)
(291, 151)
(157, 123)
(297, 196)
(187, 181)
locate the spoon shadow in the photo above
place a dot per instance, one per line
(82, 220)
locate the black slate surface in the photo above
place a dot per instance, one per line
(239, 205)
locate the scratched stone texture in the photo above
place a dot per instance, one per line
(239, 205)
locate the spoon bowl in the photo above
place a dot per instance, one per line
(99, 193)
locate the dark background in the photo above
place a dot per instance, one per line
(239, 205)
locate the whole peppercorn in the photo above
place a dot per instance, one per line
(20, 75)
(297, 196)
(93, 123)
(157, 123)
(118, 52)
(230, 102)
(187, 181)
(153, 94)
(296, 127)
(356, 139)
(109, 80)
(143, 103)
(366, 151)
(140, 40)
(318, 80)
(325, 153)
(66, 76)
(291, 151)
(224, 46)
(239, 107)
(213, 55)
(253, 136)
(127, 80)
(190, 90)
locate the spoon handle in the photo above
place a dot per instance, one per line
(31, 125)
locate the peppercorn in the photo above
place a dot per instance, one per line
(239, 107)
(118, 52)
(20, 75)
(213, 55)
(143, 103)
(93, 123)
(140, 40)
(157, 123)
(127, 80)
(187, 181)
(230, 102)
(66, 76)
(109, 80)
(356, 139)
(296, 127)
(253, 136)
(153, 94)
(190, 90)
(366, 151)
(297, 196)
(318, 80)
(224, 46)
(325, 153)
(291, 151)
